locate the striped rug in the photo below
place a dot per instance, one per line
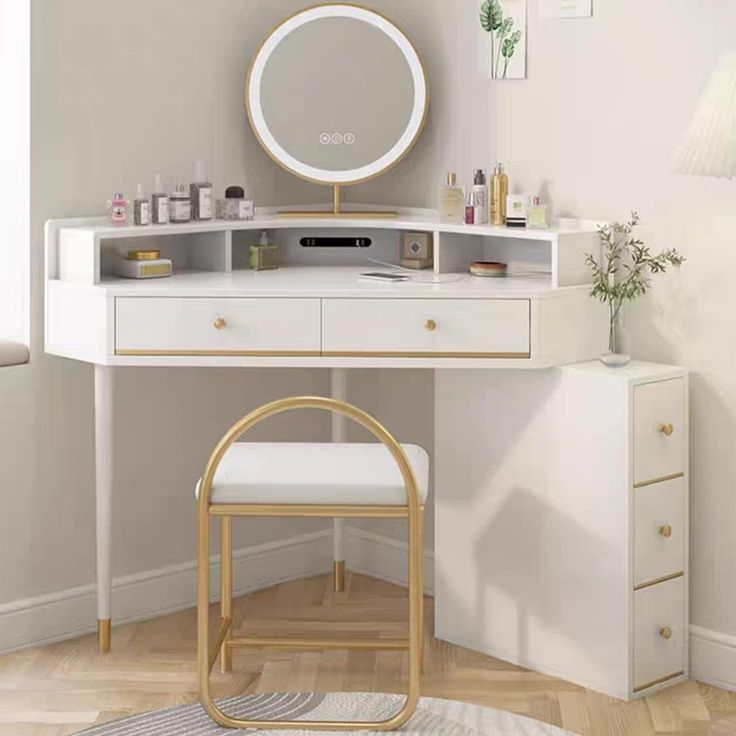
(433, 717)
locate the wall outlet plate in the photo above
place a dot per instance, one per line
(567, 8)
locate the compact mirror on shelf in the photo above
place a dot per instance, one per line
(337, 95)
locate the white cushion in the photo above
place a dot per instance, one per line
(315, 474)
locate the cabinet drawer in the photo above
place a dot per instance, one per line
(659, 632)
(427, 327)
(659, 530)
(659, 430)
(194, 326)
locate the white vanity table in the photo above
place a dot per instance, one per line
(560, 486)
(503, 404)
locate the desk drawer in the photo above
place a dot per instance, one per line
(427, 327)
(659, 633)
(659, 430)
(659, 530)
(194, 326)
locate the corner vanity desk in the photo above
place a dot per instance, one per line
(560, 485)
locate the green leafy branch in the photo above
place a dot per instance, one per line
(624, 271)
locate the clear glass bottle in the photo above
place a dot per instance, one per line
(159, 203)
(452, 201)
(200, 193)
(537, 217)
(141, 208)
(180, 205)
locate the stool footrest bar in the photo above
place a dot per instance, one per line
(319, 643)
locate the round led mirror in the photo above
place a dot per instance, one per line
(337, 95)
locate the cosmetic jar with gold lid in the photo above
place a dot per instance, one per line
(144, 264)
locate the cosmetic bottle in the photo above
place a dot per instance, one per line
(499, 193)
(180, 205)
(265, 255)
(117, 210)
(471, 208)
(159, 203)
(235, 206)
(481, 193)
(141, 208)
(452, 201)
(200, 193)
(537, 217)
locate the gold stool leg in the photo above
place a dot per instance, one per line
(226, 587)
(338, 576)
(103, 635)
(422, 651)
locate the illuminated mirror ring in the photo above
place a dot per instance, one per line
(329, 139)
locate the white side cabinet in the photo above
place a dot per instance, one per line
(561, 523)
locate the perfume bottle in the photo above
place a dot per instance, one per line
(264, 256)
(117, 210)
(471, 208)
(141, 208)
(499, 193)
(180, 206)
(481, 194)
(200, 193)
(235, 206)
(537, 217)
(159, 203)
(452, 201)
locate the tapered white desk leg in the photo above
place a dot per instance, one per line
(338, 382)
(103, 472)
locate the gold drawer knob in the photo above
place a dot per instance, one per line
(666, 429)
(430, 325)
(220, 323)
(666, 531)
(666, 632)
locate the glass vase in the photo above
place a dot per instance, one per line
(612, 357)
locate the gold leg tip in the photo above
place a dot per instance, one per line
(104, 635)
(338, 576)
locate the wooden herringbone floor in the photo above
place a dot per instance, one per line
(59, 689)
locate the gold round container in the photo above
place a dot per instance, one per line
(144, 255)
(488, 269)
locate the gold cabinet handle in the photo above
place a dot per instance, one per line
(666, 429)
(430, 325)
(666, 632)
(666, 531)
(220, 323)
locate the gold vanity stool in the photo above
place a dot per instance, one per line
(383, 480)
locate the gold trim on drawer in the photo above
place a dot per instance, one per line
(654, 481)
(665, 579)
(220, 353)
(310, 354)
(660, 681)
(419, 354)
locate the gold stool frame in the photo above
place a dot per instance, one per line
(224, 643)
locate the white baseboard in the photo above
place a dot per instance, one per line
(384, 558)
(72, 612)
(713, 658)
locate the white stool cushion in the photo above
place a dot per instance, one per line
(316, 474)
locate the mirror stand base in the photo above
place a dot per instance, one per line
(337, 212)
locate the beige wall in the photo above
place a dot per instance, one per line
(607, 102)
(118, 94)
